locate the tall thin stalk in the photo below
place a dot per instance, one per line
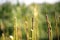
(19, 32)
(56, 28)
(27, 31)
(32, 28)
(35, 24)
(49, 29)
(15, 29)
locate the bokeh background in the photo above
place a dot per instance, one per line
(24, 21)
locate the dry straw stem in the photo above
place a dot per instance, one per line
(15, 29)
(26, 29)
(49, 29)
(35, 24)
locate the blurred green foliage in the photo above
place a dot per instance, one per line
(25, 13)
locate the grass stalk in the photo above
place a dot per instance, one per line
(49, 29)
(56, 28)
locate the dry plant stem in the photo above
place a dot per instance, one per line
(26, 30)
(49, 29)
(15, 29)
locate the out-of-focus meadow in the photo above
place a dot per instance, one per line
(32, 22)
